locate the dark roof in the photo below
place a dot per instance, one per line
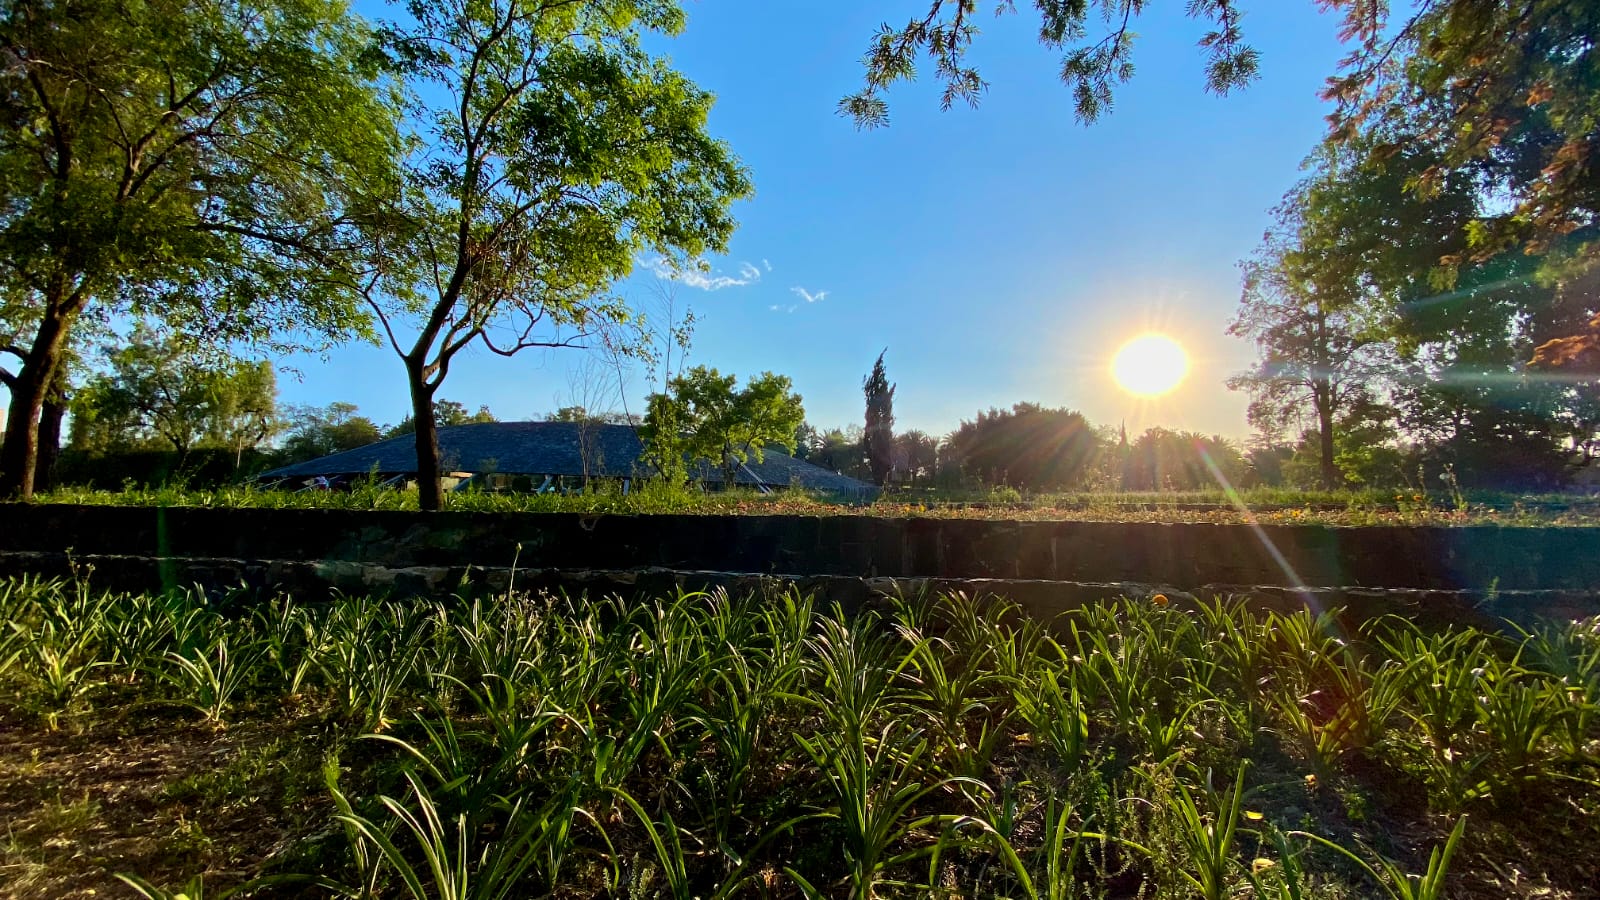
(552, 448)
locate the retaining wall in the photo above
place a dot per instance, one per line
(1471, 558)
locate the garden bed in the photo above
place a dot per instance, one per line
(712, 746)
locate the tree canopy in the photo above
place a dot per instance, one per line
(157, 389)
(203, 163)
(318, 431)
(705, 416)
(446, 414)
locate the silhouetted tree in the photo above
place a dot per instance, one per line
(1163, 460)
(839, 450)
(878, 438)
(1027, 446)
(917, 455)
(806, 440)
(1318, 351)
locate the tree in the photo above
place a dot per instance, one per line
(245, 411)
(557, 149)
(1165, 460)
(447, 413)
(807, 440)
(1028, 447)
(1504, 88)
(840, 450)
(917, 454)
(201, 162)
(1316, 353)
(315, 432)
(583, 415)
(1577, 354)
(159, 390)
(946, 32)
(878, 439)
(1460, 324)
(706, 418)
(1369, 449)
(1264, 465)
(1093, 66)
(1504, 93)
(15, 311)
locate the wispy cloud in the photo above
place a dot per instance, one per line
(767, 264)
(701, 276)
(777, 307)
(808, 296)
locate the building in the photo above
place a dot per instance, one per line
(545, 456)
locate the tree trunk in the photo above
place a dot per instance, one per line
(20, 451)
(430, 489)
(50, 417)
(1323, 395)
(19, 456)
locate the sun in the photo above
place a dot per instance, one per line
(1150, 365)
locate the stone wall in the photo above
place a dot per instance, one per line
(312, 580)
(1476, 558)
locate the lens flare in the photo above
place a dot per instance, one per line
(1150, 365)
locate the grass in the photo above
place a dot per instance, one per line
(1268, 505)
(530, 745)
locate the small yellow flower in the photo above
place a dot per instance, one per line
(1253, 816)
(1311, 781)
(1159, 599)
(1261, 864)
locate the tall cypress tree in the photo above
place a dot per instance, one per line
(878, 441)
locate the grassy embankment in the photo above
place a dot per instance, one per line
(525, 746)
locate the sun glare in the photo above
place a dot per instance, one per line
(1150, 365)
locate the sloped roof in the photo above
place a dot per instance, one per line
(552, 448)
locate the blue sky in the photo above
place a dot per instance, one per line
(1000, 254)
